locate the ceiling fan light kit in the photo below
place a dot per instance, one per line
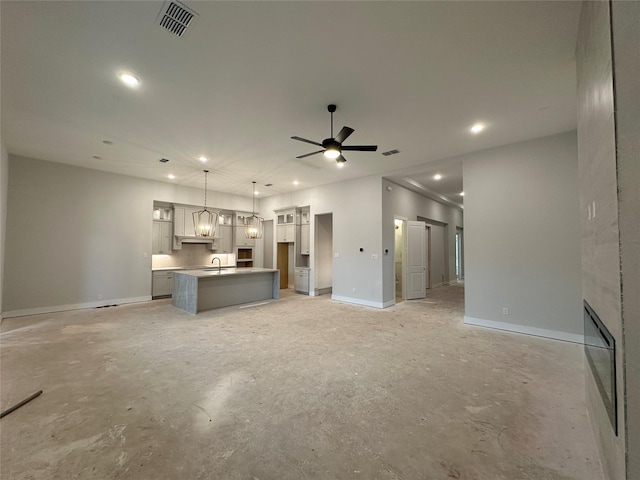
(332, 147)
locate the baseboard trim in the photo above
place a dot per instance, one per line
(358, 301)
(323, 291)
(73, 306)
(526, 330)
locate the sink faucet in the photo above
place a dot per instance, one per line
(219, 263)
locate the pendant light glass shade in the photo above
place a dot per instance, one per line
(205, 222)
(255, 225)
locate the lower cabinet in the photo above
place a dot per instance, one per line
(301, 280)
(162, 284)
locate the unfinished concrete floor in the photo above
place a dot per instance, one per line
(301, 388)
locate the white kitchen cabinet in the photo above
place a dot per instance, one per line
(286, 226)
(224, 244)
(241, 226)
(305, 239)
(183, 225)
(178, 221)
(162, 284)
(301, 280)
(286, 217)
(305, 216)
(161, 238)
(285, 233)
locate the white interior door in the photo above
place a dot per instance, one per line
(416, 263)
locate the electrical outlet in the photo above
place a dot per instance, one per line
(374, 256)
(505, 310)
(99, 296)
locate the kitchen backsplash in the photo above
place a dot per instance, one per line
(192, 254)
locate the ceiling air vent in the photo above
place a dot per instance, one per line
(390, 152)
(175, 17)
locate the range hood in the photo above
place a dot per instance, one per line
(178, 240)
(194, 239)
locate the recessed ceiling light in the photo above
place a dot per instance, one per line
(477, 128)
(203, 159)
(129, 79)
(256, 193)
(295, 182)
(171, 176)
(462, 194)
(437, 176)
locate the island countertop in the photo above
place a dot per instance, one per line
(203, 289)
(213, 271)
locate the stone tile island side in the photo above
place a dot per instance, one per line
(199, 290)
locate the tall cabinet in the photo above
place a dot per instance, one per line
(303, 250)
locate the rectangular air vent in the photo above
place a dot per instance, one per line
(175, 17)
(390, 152)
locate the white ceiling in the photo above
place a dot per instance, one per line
(247, 76)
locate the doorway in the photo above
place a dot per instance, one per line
(459, 255)
(399, 258)
(323, 249)
(283, 264)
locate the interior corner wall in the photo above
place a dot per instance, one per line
(77, 237)
(402, 202)
(598, 189)
(355, 207)
(4, 186)
(626, 39)
(522, 238)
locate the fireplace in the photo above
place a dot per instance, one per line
(600, 349)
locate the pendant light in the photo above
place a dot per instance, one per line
(255, 225)
(205, 222)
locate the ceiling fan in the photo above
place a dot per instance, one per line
(332, 147)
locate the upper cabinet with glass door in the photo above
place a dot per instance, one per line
(286, 225)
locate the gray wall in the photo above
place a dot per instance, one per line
(626, 42)
(73, 234)
(608, 145)
(4, 187)
(522, 240)
(355, 205)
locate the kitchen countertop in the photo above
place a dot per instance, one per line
(192, 267)
(208, 272)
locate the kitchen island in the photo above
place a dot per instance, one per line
(198, 290)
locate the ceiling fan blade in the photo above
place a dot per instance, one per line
(361, 148)
(344, 134)
(309, 154)
(308, 141)
(341, 160)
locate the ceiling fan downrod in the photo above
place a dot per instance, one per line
(331, 108)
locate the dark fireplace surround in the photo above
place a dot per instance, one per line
(600, 349)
